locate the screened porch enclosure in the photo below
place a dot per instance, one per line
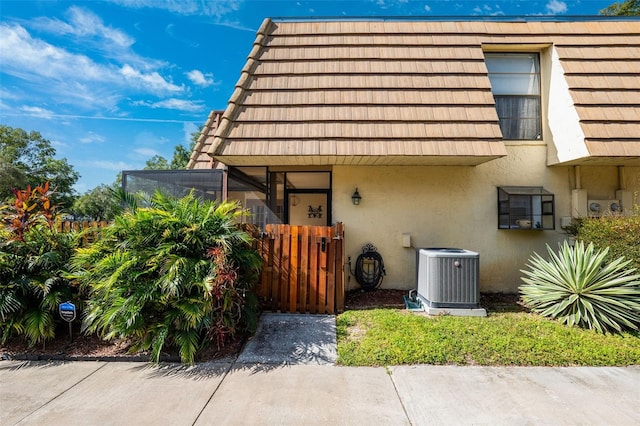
(210, 184)
(296, 197)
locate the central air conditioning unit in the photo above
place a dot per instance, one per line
(449, 278)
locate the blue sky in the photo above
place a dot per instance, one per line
(113, 83)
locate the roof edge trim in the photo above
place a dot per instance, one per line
(232, 110)
(209, 125)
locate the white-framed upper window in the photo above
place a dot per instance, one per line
(515, 83)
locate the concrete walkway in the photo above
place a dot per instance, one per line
(123, 393)
(286, 376)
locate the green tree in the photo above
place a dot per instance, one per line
(157, 162)
(625, 8)
(180, 158)
(27, 159)
(98, 204)
(181, 155)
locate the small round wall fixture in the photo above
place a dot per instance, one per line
(355, 198)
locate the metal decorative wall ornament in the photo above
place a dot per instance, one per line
(314, 212)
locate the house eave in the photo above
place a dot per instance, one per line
(602, 161)
(350, 160)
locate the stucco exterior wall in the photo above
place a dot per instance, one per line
(443, 206)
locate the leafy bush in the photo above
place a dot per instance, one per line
(621, 234)
(33, 262)
(174, 274)
(577, 286)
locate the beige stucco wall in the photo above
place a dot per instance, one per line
(443, 206)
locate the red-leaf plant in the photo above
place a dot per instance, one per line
(29, 208)
(226, 300)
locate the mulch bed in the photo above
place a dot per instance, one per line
(384, 298)
(381, 298)
(93, 348)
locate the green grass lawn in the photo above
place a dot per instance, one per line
(381, 337)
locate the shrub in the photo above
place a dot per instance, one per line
(621, 234)
(174, 274)
(33, 263)
(577, 286)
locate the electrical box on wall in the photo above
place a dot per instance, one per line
(597, 208)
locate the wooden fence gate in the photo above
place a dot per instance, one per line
(303, 269)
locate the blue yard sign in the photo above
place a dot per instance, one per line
(67, 311)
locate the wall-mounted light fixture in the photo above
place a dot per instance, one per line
(355, 198)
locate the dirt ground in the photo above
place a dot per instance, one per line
(94, 348)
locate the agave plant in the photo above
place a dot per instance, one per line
(577, 286)
(173, 274)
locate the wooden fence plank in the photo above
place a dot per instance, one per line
(90, 229)
(331, 271)
(313, 271)
(277, 268)
(293, 270)
(322, 271)
(266, 252)
(304, 268)
(284, 270)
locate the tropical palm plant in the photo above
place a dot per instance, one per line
(34, 258)
(175, 274)
(577, 286)
(33, 282)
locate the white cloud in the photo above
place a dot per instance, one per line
(92, 137)
(88, 30)
(217, 8)
(146, 152)
(37, 112)
(149, 139)
(388, 4)
(153, 81)
(173, 103)
(108, 165)
(555, 6)
(72, 78)
(84, 24)
(200, 79)
(24, 56)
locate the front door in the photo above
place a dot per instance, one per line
(301, 197)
